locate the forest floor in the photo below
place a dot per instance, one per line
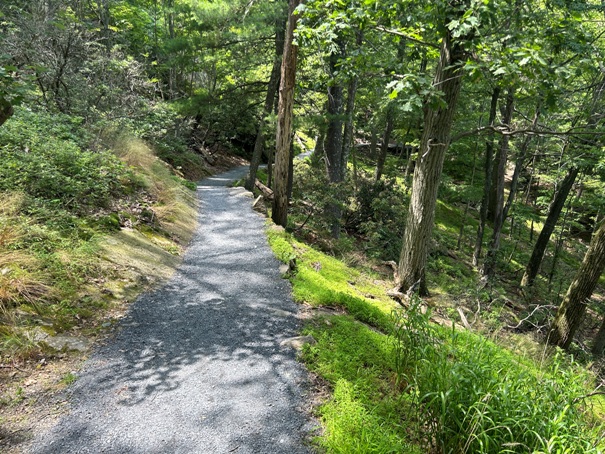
(198, 365)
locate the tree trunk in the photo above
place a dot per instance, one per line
(533, 266)
(347, 140)
(6, 110)
(427, 175)
(572, 309)
(272, 87)
(489, 266)
(487, 183)
(599, 340)
(279, 212)
(384, 149)
(519, 165)
(333, 145)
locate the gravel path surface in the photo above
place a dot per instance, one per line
(197, 366)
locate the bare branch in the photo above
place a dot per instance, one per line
(404, 36)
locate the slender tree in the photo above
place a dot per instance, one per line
(272, 87)
(285, 108)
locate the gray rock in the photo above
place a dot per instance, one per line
(298, 342)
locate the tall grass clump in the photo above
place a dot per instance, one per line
(471, 396)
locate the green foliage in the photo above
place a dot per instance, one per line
(45, 160)
(379, 213)
(473, 396)
(364, 412)
(321, 280)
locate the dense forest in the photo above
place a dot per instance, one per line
(453, 150)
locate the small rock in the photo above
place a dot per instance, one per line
(298, 342)
(67, 343)
(284, 269)
(106, 325)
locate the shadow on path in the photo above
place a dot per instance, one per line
(197, 365)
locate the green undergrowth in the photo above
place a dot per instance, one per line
(322, 280)
(400, 383)
(63, 194)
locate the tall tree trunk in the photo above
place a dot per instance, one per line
(347, 140)
(489, 266)
(384, 149)
(599, 340)
(519, 165)
(333, 145)
(272, 87)
(487, 182)
(427, 175)
(572, 309)
(533, 266)
(279, 212)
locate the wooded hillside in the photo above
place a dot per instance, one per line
(458, 143)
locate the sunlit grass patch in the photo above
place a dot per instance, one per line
(321, 280)
(365, 412)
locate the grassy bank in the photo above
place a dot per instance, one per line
(399, 382)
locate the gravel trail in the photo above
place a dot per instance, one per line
(196, 366)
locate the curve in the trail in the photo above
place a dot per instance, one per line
(196, 366)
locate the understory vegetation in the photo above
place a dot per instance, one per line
(409, 380)
(60, 199)
(446, 228)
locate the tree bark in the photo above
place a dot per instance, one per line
(384, 149)
(347, 140)
(333, 145)
(6, 110)
(487, 183)
(272, 87)
(279, 212)
(489, 266)
(572, 309)
(533, 266)
(599, 341)
(427, 175)
(519, 165)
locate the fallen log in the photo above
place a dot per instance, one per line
(266, 191)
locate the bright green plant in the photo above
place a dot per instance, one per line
(473, 396)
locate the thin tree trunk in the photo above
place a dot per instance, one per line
(333, 145)
(487, 182)
(533, 266)
(347, 141)
(489, 266)
(272, 88)
(427, 175)
(374, 143)
(572, 309)
(519, 165)
(599, 340)
(468, 202)
(279, 213)
(384, 149)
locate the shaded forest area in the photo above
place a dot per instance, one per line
(455, 146)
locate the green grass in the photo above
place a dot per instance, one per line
(402, 384)
(321, 280)
(364, 413)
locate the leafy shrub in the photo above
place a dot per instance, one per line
(473, 396)
(379, 213)
(46, 161)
